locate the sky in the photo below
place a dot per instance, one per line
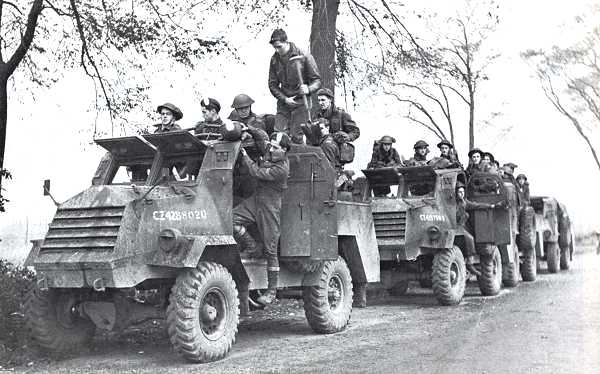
(49, 137)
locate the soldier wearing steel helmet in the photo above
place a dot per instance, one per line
(169, 114)
(263, 208)
(447, 157)
(242, 112)
(420, 158)
(212, 121)
(384, 154)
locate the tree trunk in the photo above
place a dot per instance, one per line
(322, 39)
(3, 116)
(471, 120)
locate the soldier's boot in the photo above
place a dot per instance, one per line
(248, 245)
(470, 265)
(360, 295)
(271, 294)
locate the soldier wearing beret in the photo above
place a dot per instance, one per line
(420, 158)
(169, 113)
(212, 122)
(475, 157)
(293, 74)
(523, 187)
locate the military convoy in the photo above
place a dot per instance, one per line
(124, 251)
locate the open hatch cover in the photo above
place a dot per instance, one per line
(176, 142)
(417, 172)
(127, 147)
(382, 176)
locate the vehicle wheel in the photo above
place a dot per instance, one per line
(399, 288)
(552, 257)
(510, 272)
(490, 280)
(301, 266)
(565, 258)
(328, 305)
(203, 313)
(527, 233)
(54, 322)
(529, 267)
(449, 276)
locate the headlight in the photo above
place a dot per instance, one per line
(169, 239)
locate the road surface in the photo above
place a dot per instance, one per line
(549, 326)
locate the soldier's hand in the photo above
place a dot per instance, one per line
(290, 101)
(243, 152)
(304, 89)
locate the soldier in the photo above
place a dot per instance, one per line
(420, 158)
(523, 186)
(263, 208)
(384, 155)
(212, 122)
(169, 113)
(489, 164)
(462, 216)
(341, 125)
(447, 158)
(475, 157)
(322, 137)
(242, 112)
(292, 75)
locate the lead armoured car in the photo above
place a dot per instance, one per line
(127, 249)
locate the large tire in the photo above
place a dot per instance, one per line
(203, 313)
(565, 258)
(527, 234)
(510, 271)
(301, 266)
(552, 256)
(53, 322)
(328, 305)
(449, 276)
(490, 280)
(529, 266)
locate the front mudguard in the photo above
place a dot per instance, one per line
(188, 251)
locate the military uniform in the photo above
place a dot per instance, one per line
(338, 120)
(159, 128)
(462, 216)
(381, 158)
(205, 127)
(263, 208)
(284, 82)
(417, 160)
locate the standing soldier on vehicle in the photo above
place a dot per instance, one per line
(212, 122)
(293, 76)
(242, 112)
(341, 125)
(384, 155)
(420, 158)
(475, 157)
(447, 158)
(263, 208)
(462, 216)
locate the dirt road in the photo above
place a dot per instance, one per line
(550, 326)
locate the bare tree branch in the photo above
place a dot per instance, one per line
(34, 12)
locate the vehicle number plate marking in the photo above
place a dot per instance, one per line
(176, 215)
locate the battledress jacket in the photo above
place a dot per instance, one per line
(204, 127)
(284, 81)
(339, 120)
(382, 158)
(462, 206)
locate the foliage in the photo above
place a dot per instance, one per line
(16, 281)
(4, 174)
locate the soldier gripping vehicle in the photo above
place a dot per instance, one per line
(171, 241)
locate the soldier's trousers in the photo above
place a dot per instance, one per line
(469, 249)
(289, 118)
(265, 212)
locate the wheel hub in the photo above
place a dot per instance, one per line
(213, 313)
(335, 292)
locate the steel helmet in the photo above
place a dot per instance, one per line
(386, 139)
(177, 113)
(421, 144)
(241, 101)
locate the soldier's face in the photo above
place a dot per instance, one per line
(243, 112)
(487, 158)
(324, 102)
(209, 114)
(387, 147)
(444, 149)
(476, 158)
(521, 181)
(460, 192)
(166, 116)
(281, 48)
(422, 151)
